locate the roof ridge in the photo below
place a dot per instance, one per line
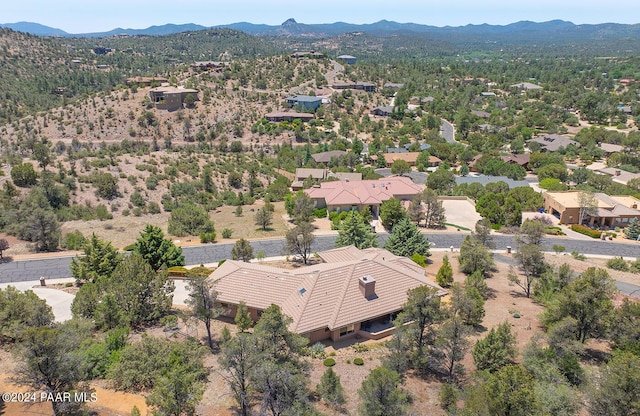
(305, 299)
(338, 304)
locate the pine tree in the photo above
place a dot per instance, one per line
(242, 250)
(354, 231)
(157, 250)
(632, 231)
(99, 260)
(445, 273)
(407, 240)
(330, 389)
(496, 350)
(243, 318)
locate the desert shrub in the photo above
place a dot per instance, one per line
(360, 347)
(153, 208)
(180, 271)
(73, 241)
(226, 233)
(209, 237)
(585, 230)
(23, 175)
(358, 361)
(189, 219)
(618, 263)
(317, 350)
(577, 255)
(103, 213)
(137, 199)
(329, 362)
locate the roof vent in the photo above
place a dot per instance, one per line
(367, 286)
(302, 291)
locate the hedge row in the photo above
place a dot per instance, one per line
(586, 231)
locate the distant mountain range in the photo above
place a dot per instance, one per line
(548, 30)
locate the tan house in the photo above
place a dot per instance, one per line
(350, 195)
(319, 175)
(279, 116)
(410, 157)
(354, 293)
(170, 98)
(146, 81)
(612, 211)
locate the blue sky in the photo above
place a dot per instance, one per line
(81, 16)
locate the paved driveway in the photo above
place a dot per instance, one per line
(461, 212)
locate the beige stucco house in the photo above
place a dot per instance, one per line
(612, 210)
(350, 195)
(355, 293)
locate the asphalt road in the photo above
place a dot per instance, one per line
(58, 267)
(447, 131)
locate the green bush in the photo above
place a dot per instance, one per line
(577, 255)
(618, 263)
(130, 247)
(329, 362)
(208, 237)
(419, 259)
(317, 350)
(586, 231)
(226, 233)
(180, 271)
(73, 241)
(320, 213)
(554, 231)
(358, 361)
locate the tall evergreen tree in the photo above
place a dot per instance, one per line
(354, 231)
(99, 260)
(407, 240)
(496, 350)
(157, 250)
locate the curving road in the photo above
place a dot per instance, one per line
(58, 267)
(447, 131)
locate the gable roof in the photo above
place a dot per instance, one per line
(527, 86)
(553, 142)
(370, 192)
(325, 157)
(304, 173)
(325, 295)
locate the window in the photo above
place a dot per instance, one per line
(346, 330)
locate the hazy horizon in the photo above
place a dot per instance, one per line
(76, 17)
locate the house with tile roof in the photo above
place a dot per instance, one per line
(618, 175)
(358, 195)
(353, 293)
(553, 142)
(325, 157)
(612, 210)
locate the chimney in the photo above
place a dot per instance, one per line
(368, 287)
(634, 206)
(617, 172)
